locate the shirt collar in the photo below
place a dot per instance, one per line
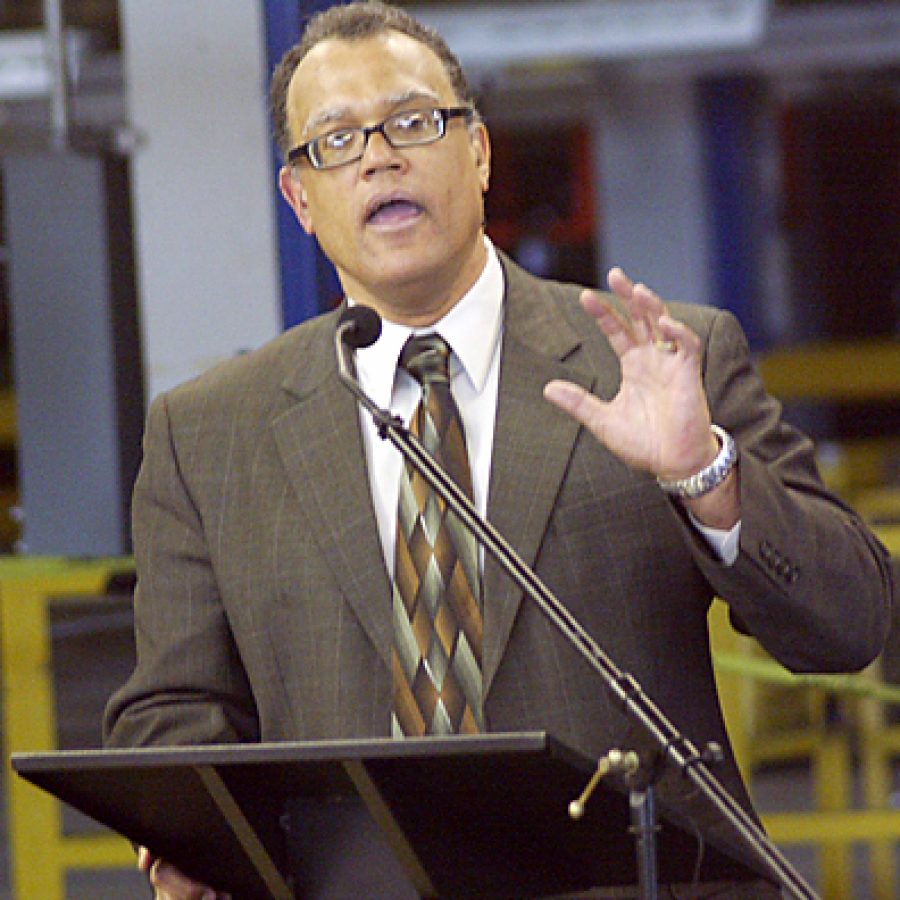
(471, 328)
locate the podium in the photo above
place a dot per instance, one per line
(480, 816)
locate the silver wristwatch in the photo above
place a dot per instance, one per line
(710, 477)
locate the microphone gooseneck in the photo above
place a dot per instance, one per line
(358, 326)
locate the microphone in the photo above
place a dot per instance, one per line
(359, 326)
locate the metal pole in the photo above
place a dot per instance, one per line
(642, 805)
(55, 43)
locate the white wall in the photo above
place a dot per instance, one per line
(652, 197)
(203, 183)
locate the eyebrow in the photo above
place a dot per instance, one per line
(338, 113)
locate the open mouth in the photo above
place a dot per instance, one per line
(392, 211)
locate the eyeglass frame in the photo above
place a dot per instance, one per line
(446, 114)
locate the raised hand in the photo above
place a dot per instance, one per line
(659, 421)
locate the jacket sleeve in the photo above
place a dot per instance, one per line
(188, 686)
(811, 582)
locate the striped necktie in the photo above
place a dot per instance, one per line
(437, 584)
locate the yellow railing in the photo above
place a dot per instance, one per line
(833, 824)
(836, 371)
(41, 854)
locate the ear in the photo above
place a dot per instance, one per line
(293, 191)
(481, 147)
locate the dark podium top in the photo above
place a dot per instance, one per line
(483, 816)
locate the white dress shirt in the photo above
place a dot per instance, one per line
(474, 331)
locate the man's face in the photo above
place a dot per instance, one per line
(401, 225)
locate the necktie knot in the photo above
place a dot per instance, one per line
(427, 358)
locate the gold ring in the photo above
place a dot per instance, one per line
(666, 346)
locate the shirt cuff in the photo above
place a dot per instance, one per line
(724, 543)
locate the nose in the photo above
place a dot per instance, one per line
(378, 152)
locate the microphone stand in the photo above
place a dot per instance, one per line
(670, 745)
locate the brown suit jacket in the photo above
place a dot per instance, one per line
(263, 603)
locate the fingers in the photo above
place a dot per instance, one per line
(613, 324)
(643, 305)
(145, 859)
(672, 331)
(171, 884)
(643, 319)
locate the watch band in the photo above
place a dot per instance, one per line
(712, 476)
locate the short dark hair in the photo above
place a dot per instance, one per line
(356, 21)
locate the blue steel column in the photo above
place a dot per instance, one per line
(308, 282)
(727, 111)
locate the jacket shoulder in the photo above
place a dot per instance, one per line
(301, 354)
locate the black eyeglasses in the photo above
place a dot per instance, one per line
(410, 128)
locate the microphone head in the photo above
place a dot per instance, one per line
(359, 326)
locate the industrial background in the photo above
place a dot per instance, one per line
(742, 153)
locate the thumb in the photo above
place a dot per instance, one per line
(574, 400)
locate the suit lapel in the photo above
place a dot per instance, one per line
(321, 447)
(319, 440)
(533, 441)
